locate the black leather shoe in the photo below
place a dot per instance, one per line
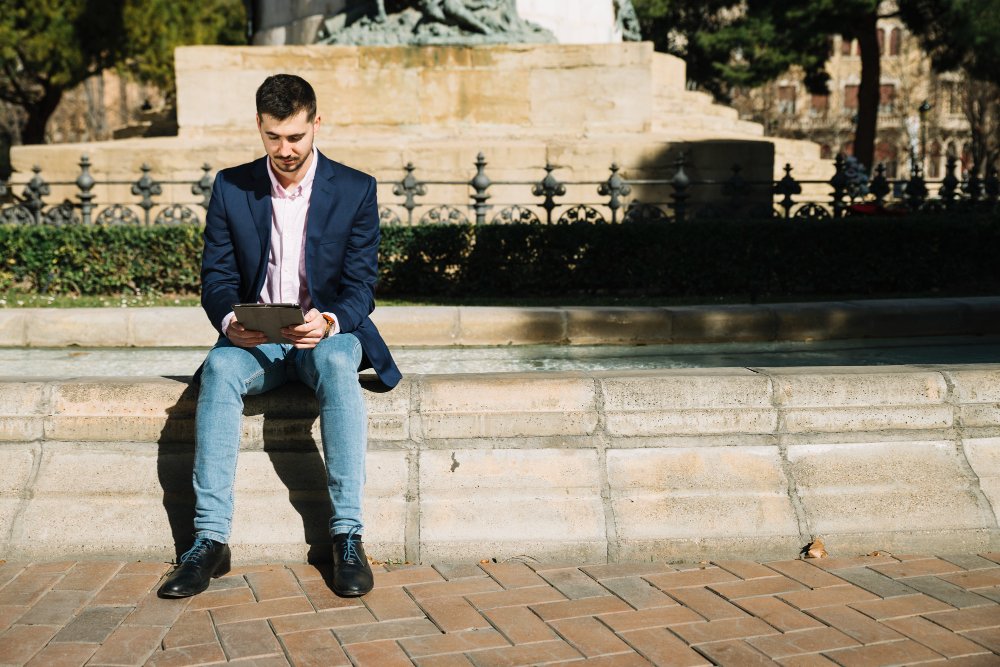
(206, 559)
(352, 576)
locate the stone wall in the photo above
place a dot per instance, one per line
(585, 467)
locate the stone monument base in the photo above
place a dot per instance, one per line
(579, 107)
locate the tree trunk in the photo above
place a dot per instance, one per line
(868, 92)
(33, 130)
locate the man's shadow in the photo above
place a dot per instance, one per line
(288, 414)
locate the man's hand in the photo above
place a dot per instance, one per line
(309, 333)
(243, 337)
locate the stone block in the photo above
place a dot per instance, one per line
(819, 321)
(687, 402)
(120, 409)
(505, 326)
(982, 314)
(170, 327)
(13, 327)
(596, 326)
(699, 493)
(16, 465)
(507, 405)
(22, 411)
(885, 318)
(884, 487)
(509, 502)
(86, 327)
(425, 325)
(983, 455)
(976, 384)
(729, 324)
(860, 399)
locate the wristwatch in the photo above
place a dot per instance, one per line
(329, 324)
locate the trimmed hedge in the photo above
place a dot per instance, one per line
(946, 253)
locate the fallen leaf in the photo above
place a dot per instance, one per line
(815, 549)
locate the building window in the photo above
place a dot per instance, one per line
(818, 104)
(786, 100)
(895, 37)
(887, 98)
(881, 41)
(850, 97)
(953, 96)
(845, 46)
(825, 152)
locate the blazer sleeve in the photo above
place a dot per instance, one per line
(355, 297)
(220, 276)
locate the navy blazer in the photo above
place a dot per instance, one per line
(341, 247)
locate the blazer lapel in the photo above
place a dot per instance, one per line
(322, 202)
(259, 200)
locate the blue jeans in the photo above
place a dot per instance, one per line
(229, 374)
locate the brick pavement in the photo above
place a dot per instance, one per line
(872, 610)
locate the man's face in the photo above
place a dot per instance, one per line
(288, 142)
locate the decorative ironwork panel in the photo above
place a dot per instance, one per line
(444, 214)
(581, 213)
(387, 217)
(812, 212)
(516, 215)
(61, 214)
(176, 214)
(117, 214)
(16, 215)
(639, 212)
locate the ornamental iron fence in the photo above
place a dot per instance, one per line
(676, 199)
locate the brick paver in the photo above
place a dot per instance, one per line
(848, 610)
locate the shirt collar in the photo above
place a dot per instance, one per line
(304, 186)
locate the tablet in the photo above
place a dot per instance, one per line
(269, 318)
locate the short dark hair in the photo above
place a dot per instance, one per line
(282, 96)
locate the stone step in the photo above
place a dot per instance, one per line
(481, 325)
(572, 467)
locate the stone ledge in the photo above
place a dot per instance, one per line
(403, 326)
(657, 464)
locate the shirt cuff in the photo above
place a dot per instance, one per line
(335, 329)
(226, 321)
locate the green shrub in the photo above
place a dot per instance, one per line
(946, 253)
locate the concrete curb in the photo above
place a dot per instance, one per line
(469, 325)
(580, 467)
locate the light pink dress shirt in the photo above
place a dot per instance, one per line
(285, 281)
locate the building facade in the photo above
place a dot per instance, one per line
(920, 111)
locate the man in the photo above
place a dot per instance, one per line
(293, 226)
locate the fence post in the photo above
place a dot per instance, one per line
(480, 183)
(616, 188)
(146, 187)
(549, 188)
(992, 185)
(839, 183)
(203, 186)
(787, 187)
(949, 184)
(34, 191)
(410, 187)
(879, 185)
(916, 188)
(86, 184)
(680, 183)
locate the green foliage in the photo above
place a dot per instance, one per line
(948, 253)
(958, 34)
(100, 260)
(50, 46)
(156, 27)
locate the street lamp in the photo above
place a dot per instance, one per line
(924, 107)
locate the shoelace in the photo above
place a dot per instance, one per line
(350, 553)
(198, 551)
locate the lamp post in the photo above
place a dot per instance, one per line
(924, 107)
